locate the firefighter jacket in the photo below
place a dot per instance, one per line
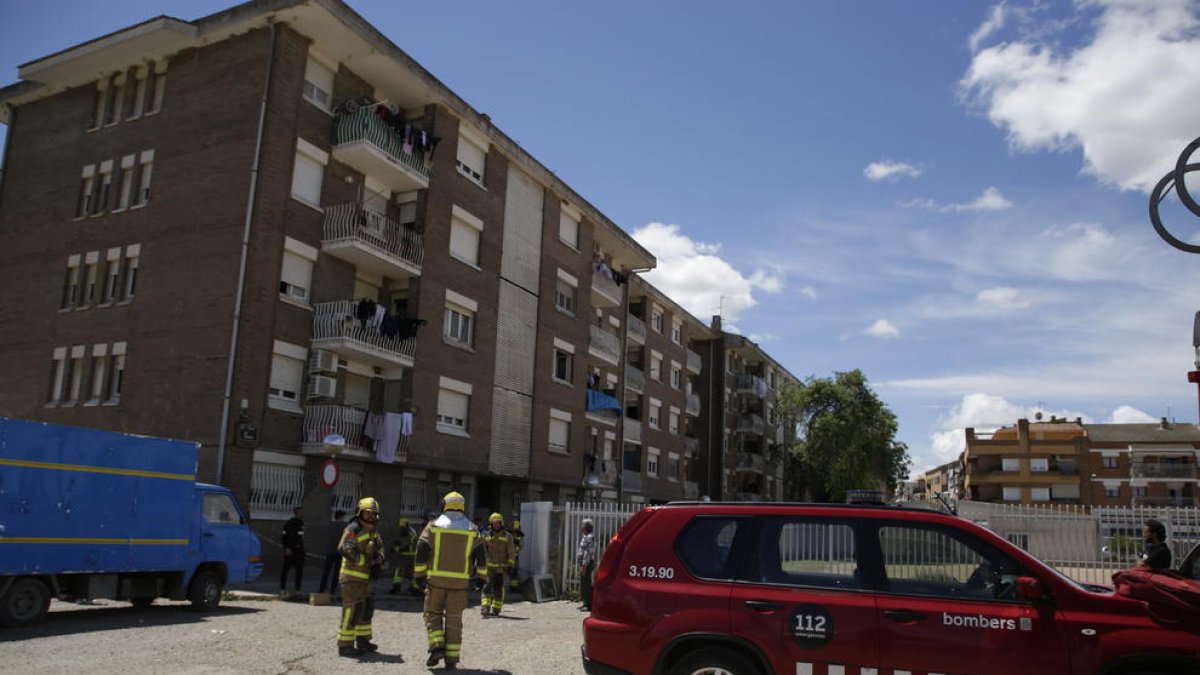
(362, 551)
(406, 541)
(448, 550)
(518, 539)
(501, 553)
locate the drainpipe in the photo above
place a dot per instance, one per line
(241, 285)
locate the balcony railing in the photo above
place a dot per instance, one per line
(605, 345)
(633, 430)
(692, 405)
(322, 420)
(752, 385)
(1166, 501)
(631, 481)
(1151, 470)
(635, 379)
(365, 142)
(751, 423)
(603, 403)
(691, 445)
(693, 362)
(335, 327)
(371, 241)
(749, 461)
(605, 291)
(691, 489)
(636, 328)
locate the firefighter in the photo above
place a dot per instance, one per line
(362, 555)
(404, 548)
(501, 556)
(446, 552)
(518, 538)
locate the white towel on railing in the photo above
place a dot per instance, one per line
(406, 420)
(389, 437)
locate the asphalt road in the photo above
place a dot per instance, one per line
(271, 636)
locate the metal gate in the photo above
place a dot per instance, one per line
(607, 518)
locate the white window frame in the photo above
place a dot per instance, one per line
(458, 319)
(1039, 494)
(58, 373)
(74, 379)
(125, 183)
(568, 226)
(673, 417)
(654, 414)
(295, 270)
(70, 294)
(308, 158)
(559, 420)
(450, 389)
(1010, 464)
(145, 173)
(466, 236)
(656, 319)
(318, 83)
(116, 374)
(1011, 494)
(656, 364)
(473, 148)
(676, 375)
(652, 457)
(1039, 464)
(141, 82)
(673, 467)
(566, 292)
(133, 254)
(288, 362)
(87, 191)
(677, 331)
(91, 273)
(112, 276)
(105, 187)
(99, 372)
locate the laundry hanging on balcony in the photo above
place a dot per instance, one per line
(599, 401)
(386, 429)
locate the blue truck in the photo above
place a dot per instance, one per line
(95, 514)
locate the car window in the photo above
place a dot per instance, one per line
(807, 552)
(705, 545)
(923, 560)
(220, 509)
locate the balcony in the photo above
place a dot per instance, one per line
(605, 291)
(635, 379)
(691, 489)
(692, 406)
(750, 461)
(363, 141)
(751, 424)
(603, 475)
(605, 345)
(372, 242)
(636, 329)
(322, 420)
(1178, 502)
(633, 430)
(751, 385)
(691, 446)
(603, 403)
(693, 362)
(336, 328)
(1153, 470)
(631, 481)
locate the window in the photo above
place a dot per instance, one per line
(117, 101)
(101, 103)
(1018, 539)
(1112, 491)
(275, 490)
(652, 463)
(157, 86)
(106, 170)
(1010, 464)
(472, 154)
(356, 391)
(454, 402)
(568, 227)
(655, 414)
(560, 431)
(1012, 494)
(145, 171)
(58, 372)
(375, 201)
(673, 421)
(132, 256)
(70, 294)
(672, 467)
(347, 493)
(929, 561)
(287, 376)
(112, 275)
(76, 374)
(295, 275)
(806, 553)
(677, 332)
(218, 509)
(562, 365)
(458, 325)
(90, 271)
(99, 371)
(1039, 464)
(141, 76)
(308, 173)
(1110, 462)
(87, 189)
(705, 544)
(125, 182)
(465, 230)
(656, 320)
(1139, 490)
(656, 361)
(565, 297)
(1040, 494)
(676, 376)
(318, 84)
(116, 373)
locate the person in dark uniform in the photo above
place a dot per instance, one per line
(1158, 554)
(293, 550)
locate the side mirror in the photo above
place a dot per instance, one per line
(1029, 588)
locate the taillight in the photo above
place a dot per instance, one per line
(612, 553)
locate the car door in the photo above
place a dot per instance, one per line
(947, 603)
(801, 600)
(223, 535)
(1190, 567)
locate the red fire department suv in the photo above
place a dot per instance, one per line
(756, 589)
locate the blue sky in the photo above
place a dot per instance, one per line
(950, 196)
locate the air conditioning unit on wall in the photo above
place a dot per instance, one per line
(320, 386)
(322, 361)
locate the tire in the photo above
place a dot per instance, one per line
(714, 661)
(205, 591)
(142, 601)
(25, 603)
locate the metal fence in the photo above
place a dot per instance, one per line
(607, 519)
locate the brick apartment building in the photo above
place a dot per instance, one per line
(269, 226)
(1070, 462)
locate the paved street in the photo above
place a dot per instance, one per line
(269, 636)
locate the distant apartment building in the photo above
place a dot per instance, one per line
(944, 480)
(269, 228)
(1069, 462)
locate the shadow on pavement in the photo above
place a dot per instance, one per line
(120, 616)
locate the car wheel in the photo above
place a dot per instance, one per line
(205, 591)
(142, 600)
(25, 603)
(714, 662)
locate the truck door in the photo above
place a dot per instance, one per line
(801, 599)
(948, 604)
(224, 536)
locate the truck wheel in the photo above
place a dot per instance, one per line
(205, 591)
(25, 603)
(142, 600)
(714, 662)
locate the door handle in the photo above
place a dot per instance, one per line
(763, 606)
(904, 616)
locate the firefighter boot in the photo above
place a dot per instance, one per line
(364, 645)
(349, 651)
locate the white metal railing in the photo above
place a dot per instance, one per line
(634, 378)
(346, 493)
(1157, 470)
(607, 519)
(693, 361)
(636, 328)
(605, 342)
(692, 405)
(323, 420)
(412, 497)
(336, 320)
(275, 490)
(386, 236)
(606, 287)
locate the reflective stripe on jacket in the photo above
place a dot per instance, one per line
(501, 552)
(448, 549)
(361, 548)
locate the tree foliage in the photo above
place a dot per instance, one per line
(845, 439)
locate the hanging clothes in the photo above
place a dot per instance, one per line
(389, 438)
(406, 423)
(371, 428)
(377, 319)
(390, 326)
(365, 311)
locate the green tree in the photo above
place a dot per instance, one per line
(844, 439)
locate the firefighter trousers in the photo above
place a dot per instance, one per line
(443, 620)
(358, 606)
(493, 593)
(404, 569)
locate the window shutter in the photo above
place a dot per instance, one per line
(464, 241)
(452, 404)
(306, 179)
(568, 230)
(318, 82)
(471, 156)
(296, 270)
(286, 374)
(558, 433)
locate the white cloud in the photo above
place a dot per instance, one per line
(882, 329)
(993, 23)
(1128, 414)
(693, 274)
(1126, 99)
(809, 292)
(1003, 298)
(991, 199)
(887, 169)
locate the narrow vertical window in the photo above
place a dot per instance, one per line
(117, 101)
(58, 371)
(87, 190)
(132, 260)
(101, 104)
(90, 272)
(99, 370)
(158, 86)
(76, 374)
(141, 80)
(145, 171)
(112, 275)
(125, 191)
(106, 171)
(70, 294)
(116, 373)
